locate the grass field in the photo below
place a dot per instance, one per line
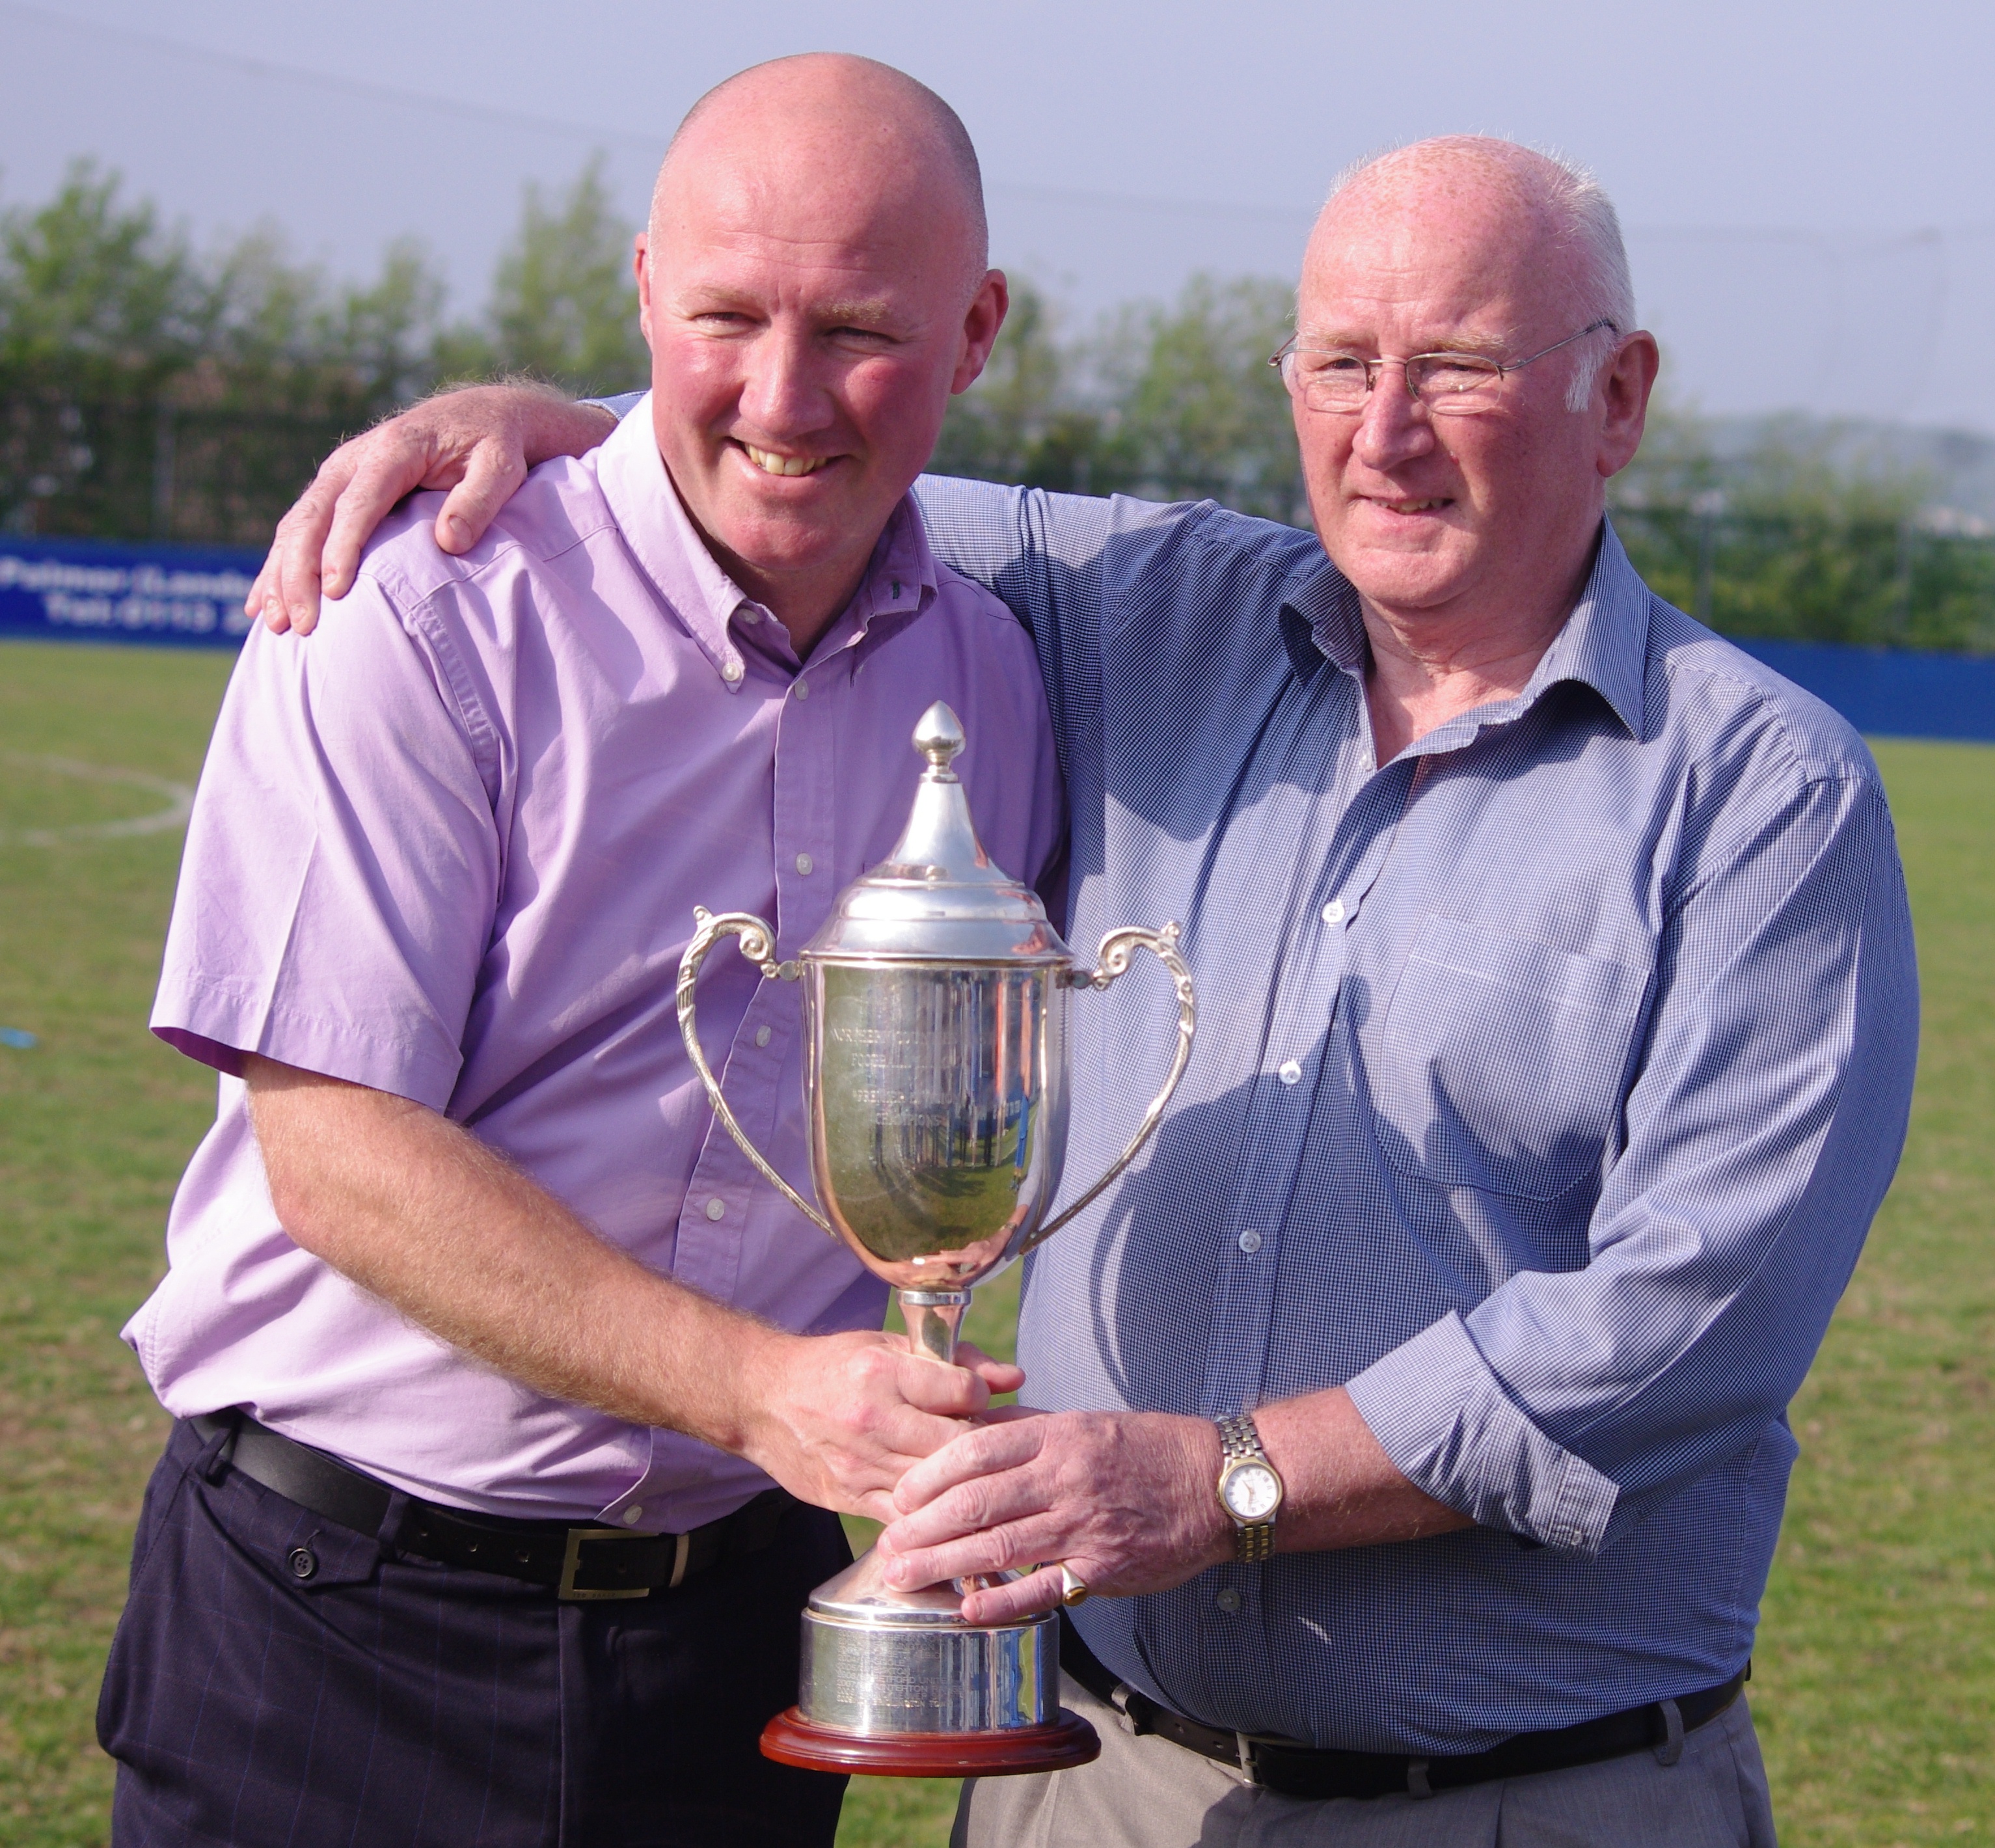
(1874, 1684)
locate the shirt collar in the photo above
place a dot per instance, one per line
(900, 579)
(1603, 644)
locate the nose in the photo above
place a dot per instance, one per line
(1394, 427)
(781, 393)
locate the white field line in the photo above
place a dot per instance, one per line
(179, 799)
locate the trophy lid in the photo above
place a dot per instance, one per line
(937, 898)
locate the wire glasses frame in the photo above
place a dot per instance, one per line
(1456, 383)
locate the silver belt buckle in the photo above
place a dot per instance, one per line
(569, 1592)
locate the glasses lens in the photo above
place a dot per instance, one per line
(1453, 383)
(1326, 381)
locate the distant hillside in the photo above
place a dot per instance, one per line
(1955, 469)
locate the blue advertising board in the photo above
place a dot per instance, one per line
(1891, 692)
(83, 590)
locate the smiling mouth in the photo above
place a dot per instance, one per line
(770, 463)
(1413, 506)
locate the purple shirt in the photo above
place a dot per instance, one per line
(450, 848)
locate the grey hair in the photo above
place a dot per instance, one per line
(1583, 218)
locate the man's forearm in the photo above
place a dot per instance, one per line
(424, 1215)
(419, 1211)
(1342, 1490)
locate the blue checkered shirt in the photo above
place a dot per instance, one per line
(1547, 1081)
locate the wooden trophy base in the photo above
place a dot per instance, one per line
(790, 1739)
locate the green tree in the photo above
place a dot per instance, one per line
(1198, 410)
(563, 304)
(145, 389)
(1795, 537)
(93, 290)
(1167, 402)
(287, 339)
(1022, 420)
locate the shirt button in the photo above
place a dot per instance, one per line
(731, 669)
(632, 1515)
(803, 689)
(1228, 1601)
(1250, 1242)
(761, 1035)
(1333, 912)
(749, 614)
(1290, 1073)
(804, 862)
(716, 1208)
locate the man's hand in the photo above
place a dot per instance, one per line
(479, 442)
(1128, 1501)
(416, 1209)
(837, 1419)
(1124, 1498)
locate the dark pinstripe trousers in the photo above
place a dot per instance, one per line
(389, 1702)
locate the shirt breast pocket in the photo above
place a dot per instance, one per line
(1500, 1063)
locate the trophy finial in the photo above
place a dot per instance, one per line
(938, 737)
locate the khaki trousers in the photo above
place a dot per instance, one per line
(1149, 1793)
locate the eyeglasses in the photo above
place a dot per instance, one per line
(1451, 384)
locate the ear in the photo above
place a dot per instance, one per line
(1625, 385)
(640, 250)
(985, 315)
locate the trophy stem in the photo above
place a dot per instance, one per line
(934, 1319)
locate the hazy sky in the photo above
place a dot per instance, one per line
(1807, 187)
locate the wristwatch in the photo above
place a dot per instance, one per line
(1250, 1487)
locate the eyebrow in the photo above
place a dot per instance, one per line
(704, 298)
(864, 314)
(1490, 349)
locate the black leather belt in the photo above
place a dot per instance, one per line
(580, 1563)
(1300, 1770)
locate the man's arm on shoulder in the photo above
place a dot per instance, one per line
(479, 442)
(416, 1210)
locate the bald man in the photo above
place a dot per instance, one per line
(511, 1407)
(1413, 1420)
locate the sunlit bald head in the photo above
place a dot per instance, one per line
(814, 287)
(1546, 228)
(832, 120)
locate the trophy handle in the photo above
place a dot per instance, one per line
(758, 944)
(1114, 961)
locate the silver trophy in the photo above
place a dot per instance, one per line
(935, 1000)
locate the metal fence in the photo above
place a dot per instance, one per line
(123, 469)
(1917, 583)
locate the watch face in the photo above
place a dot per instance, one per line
(1253, 1492)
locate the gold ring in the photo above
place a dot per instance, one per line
(1073, 1588)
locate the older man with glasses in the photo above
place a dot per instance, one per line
(1410, 1432)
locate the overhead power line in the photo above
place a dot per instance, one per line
(348, 86)
(653, 141)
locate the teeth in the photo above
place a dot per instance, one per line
(1413, 506)
(772, 464)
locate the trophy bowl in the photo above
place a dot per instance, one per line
(936, 1003)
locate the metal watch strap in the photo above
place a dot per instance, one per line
(1239, 1441)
